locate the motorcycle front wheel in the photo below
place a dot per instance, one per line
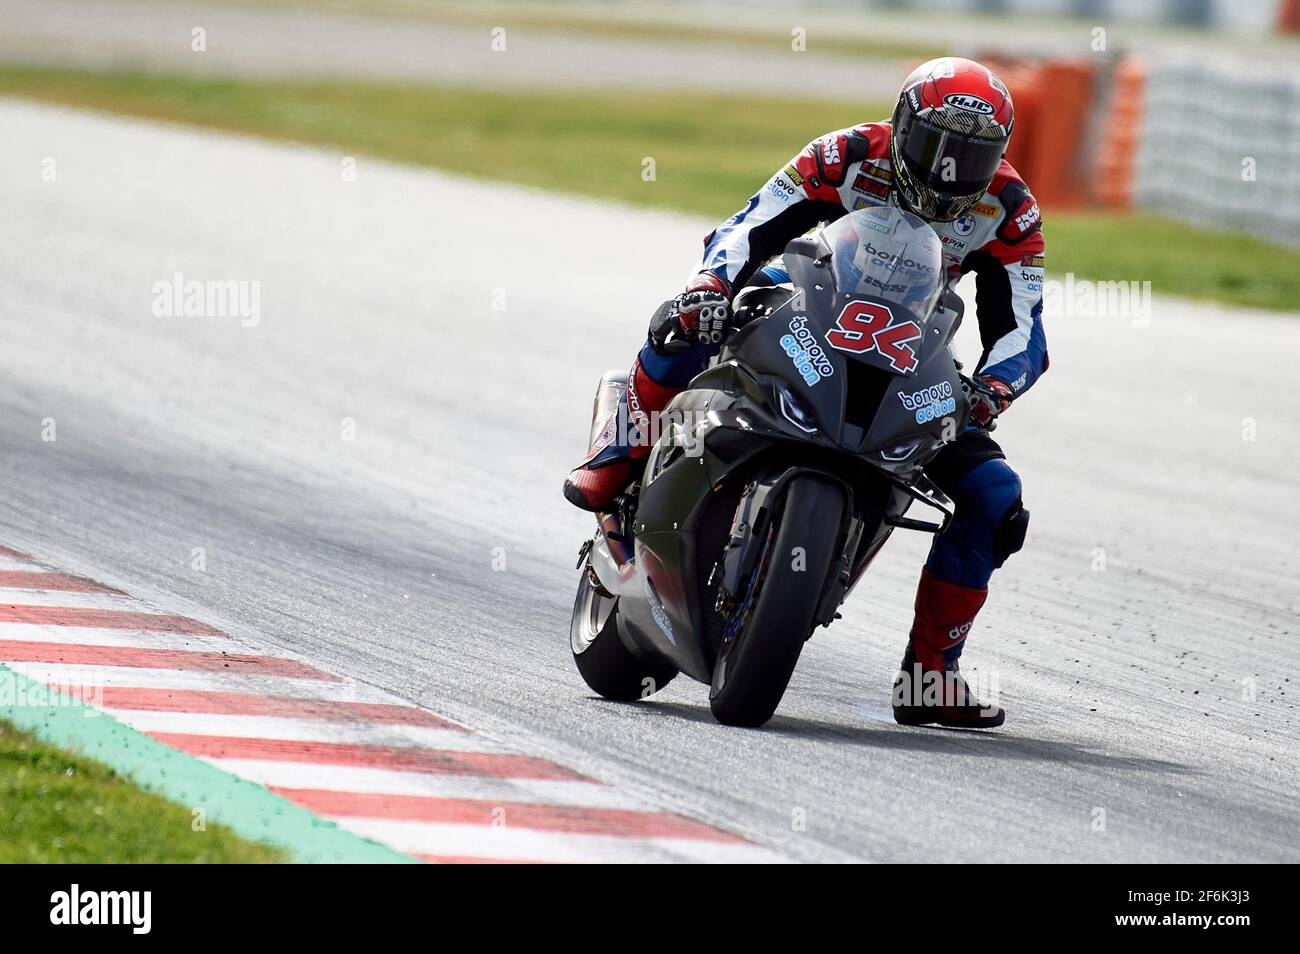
(775, 614)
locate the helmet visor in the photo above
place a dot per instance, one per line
(949, 162)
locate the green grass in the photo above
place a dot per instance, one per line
(710, 151)
(710, 154)
(1176, 258)
(61, 808)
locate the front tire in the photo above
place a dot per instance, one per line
(606, 664)
(754, 666)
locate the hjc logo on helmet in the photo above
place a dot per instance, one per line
(972, 104)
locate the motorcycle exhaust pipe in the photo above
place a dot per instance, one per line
(620, 546)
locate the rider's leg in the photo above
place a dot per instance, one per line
(623, 443)
(989, 525)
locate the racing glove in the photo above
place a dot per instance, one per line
(988, 398)
(699, 315)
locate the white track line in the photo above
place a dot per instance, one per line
(305, 730)
(348, 778)
(10, 563)
(71, 599)
(61, 674)
(132, 638)
(524, 844)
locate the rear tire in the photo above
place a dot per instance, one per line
(755, 666)
(606, 664)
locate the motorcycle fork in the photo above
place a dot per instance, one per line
(759, 504)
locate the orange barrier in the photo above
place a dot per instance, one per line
(1053, 104)
(1288, 17)
(1117, 151)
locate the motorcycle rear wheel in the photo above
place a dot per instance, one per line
(606, 665)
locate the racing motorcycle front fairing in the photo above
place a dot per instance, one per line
(848, 375)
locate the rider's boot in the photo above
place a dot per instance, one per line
(929, 689)
(620, 435)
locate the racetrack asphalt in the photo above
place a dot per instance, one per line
(1144, 643)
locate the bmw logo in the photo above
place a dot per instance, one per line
(965, 224)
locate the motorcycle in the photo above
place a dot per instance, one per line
(779, 473)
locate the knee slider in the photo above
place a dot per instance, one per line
(993, 489)
(1009, 534)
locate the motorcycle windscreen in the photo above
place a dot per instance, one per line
(887, 266)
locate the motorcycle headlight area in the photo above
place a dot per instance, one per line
(794, 411)
(903, 449)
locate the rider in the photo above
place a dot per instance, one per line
(940, 157)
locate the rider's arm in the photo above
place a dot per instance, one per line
(1009, 292)
(802, 194)
(773, 273)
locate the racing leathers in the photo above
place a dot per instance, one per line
(999, 239)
